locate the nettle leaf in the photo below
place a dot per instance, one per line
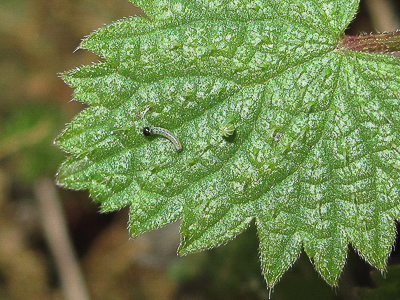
(278, 123)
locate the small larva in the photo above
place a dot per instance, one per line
(147, 131)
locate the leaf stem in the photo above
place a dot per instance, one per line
(385, 42)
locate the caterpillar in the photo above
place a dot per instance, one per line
(147, 131)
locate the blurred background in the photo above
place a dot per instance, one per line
(54, 243)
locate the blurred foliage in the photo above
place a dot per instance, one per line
(387, 285)
(26, 143)
(232, 272)
(228, 272)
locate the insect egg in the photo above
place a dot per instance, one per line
(227, 129)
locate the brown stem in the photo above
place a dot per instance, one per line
(373, 43)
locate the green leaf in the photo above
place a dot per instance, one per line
(277, 123)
